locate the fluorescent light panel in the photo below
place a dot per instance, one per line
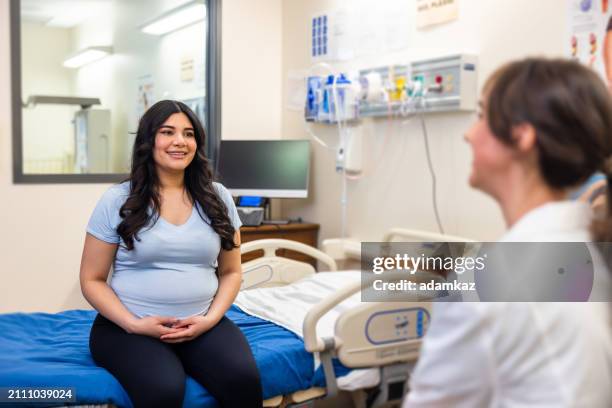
(178, 18)
(86, 56)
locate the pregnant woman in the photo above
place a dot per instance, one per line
(171, 235)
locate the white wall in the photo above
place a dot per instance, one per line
(252, 62)
(396, 190)
(43, 226)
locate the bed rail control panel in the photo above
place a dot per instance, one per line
(393, 326)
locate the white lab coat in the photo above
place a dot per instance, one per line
(519, 354)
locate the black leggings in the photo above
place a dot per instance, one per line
(153, 372)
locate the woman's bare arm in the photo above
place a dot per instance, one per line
(96, 262)
(230, 278)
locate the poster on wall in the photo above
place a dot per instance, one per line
(146, 88)
(358, 29)
(187, 68)
(433, 12)
(590, 35)
(145, 97)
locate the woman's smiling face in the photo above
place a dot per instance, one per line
(175, 144)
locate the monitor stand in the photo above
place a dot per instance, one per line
(268, 214)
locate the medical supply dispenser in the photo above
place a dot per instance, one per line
(330, 99)
(380, 93)
(342, 105)
(445, 84)
(313, 98)
(326, 101)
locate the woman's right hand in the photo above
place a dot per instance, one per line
(153, 326)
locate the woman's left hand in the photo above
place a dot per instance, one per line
(191, 328)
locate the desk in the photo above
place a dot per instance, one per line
(301, 232)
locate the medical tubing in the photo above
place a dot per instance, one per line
(378, 160)
(430, 164)
(315, 137)
(389, 119)
(342, 137)
(343, 203)
(336, 112)
(339, 113)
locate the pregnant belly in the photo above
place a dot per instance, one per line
(166, 292)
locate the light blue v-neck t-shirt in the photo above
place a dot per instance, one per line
(171, 270)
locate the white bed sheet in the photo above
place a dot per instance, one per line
(288, 305)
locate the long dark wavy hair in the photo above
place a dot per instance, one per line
(144, 182)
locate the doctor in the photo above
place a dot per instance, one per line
(545, 126)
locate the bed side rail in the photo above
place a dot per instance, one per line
(272, 270)
(421, 236)
(349, 248)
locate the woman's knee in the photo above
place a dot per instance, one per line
(159, 391)
(244, 387)
(243, 390)
(245, 376)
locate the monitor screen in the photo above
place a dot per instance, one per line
(268, 168)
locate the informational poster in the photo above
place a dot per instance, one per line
(146, 89)
(145, 97)
(590, 35)
(432, 12)
(359, 29)
(187, 68)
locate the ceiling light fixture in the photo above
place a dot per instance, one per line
(86, 56)
(177, 18)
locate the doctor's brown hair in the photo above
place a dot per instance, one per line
(570, 109)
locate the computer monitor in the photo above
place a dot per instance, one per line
(268, 168)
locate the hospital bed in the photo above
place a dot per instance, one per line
(369, 335)
(364, 336)
(392, 357)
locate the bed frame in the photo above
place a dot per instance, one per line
(351, 344)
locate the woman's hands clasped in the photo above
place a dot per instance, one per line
(171, 329)
(189, 328)
(154, 326)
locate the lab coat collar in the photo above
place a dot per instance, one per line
(553, 222)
